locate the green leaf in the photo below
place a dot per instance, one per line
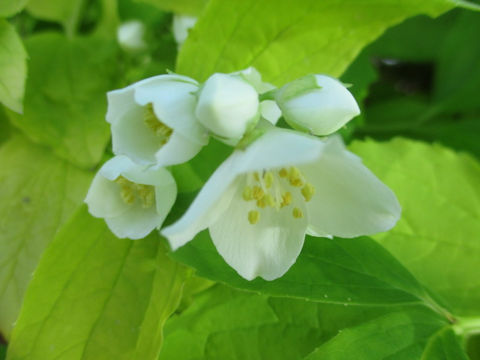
(444, 345)
(285, 42)
(65, 99)
(5, 127)
(187, 7)
(223, 324)
(396, 336)
(94, 296)
(458, 74)
(345, 271)
(66, 13)
(437, 235)
(13, 67)
(11, 7)
(39, 193)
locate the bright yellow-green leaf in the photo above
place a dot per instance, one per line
(285, 40)
(187, 7)
(13, 67)
(95, 296)
(11, 7)
(39, 192)
(438, 235)
(65, 98)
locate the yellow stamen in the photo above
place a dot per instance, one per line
(270, 201)
(247, 193)
(308, 191)
(253, 216)
(257, 192)
(297, 213)
(129, 191)
(256, 176)
(268, 178)
(283, 172)
(154, 124)
(295, 177)
(286, 199)
(261, 203)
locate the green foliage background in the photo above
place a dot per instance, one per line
(70, 290)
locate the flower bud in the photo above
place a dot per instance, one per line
(130, 36)
(228, 107)
(181, 27)
(318, 104)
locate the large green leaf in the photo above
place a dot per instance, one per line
(444, 345)
(65, 101)
(286, 40)
(396, 336)
(66, 13)
(11, 7)
(226, 324)
(437, 237)
(346, 271)
(13, 67)
(39, 192)
(94, 296)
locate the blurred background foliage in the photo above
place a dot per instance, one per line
(419, 80)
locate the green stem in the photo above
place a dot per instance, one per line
(467, 326)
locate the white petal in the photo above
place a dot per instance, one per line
(274, 149)
(177, 150)
(321, 111)
(135, 223)
(103, 198)
(267, 249)
(227, 105)
(349, 199)
(211, 201)
(132, 137)
(114, 167)
(255, 79)
(270, 111)
(119, 102)
(130, 35)
(173, 103)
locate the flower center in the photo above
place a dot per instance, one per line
(274, 189)
(130, 191)
(161, 130)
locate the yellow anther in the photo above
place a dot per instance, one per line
(256, 176)
(308, 191)
(286, 199)
(155, 125)
(253, 216)
(247, 193)
(297, 213)
(261, 203)
(295, 177)
(257, 192)
(283, 172)
(127, 195)
(268, 178)
(146, 193)
(270, 201)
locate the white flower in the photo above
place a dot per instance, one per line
(228, 106)
(130, 36)
(153, 121)
(268, 108)
(317, 104)
(260, 202)
(132, 199)
(181, 26)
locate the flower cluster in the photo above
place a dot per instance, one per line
(275, 187)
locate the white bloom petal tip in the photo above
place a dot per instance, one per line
(318, 104)
(130, 36)
(181, 27)
(228, 106)
(132, 199)
(148, 116)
